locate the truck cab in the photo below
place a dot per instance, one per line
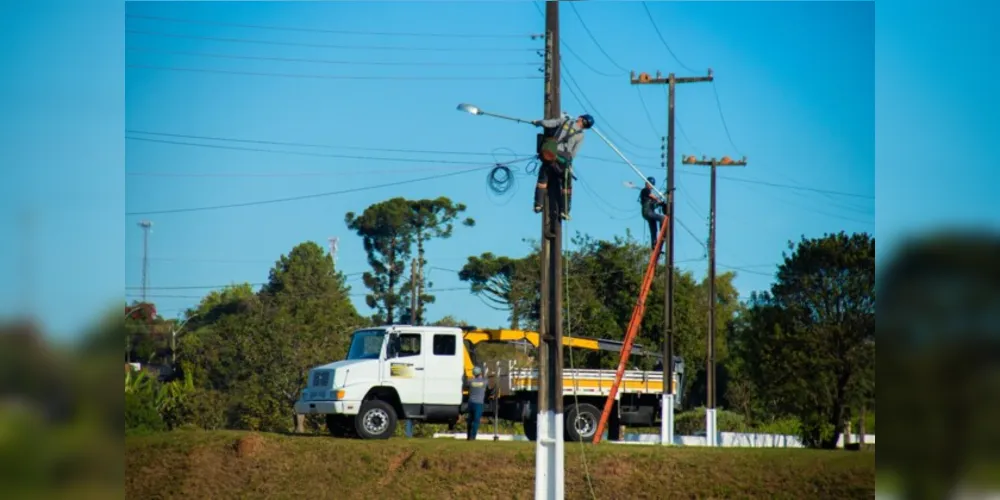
(390, 373)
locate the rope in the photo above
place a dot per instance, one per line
(572, 366)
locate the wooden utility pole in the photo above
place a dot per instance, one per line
(711, 433)
(667, 409)
(549, 472)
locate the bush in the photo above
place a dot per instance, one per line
(141, 415)
(201, 408)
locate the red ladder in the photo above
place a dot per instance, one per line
(633, 329)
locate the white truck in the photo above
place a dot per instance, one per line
(418, 372)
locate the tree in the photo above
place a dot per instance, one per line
(807, 346)
(504, 283)
(259, 354)
(387, 235)
(431, 219)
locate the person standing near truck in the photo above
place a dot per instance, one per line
(477, 397)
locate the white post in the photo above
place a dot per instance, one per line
(711, 433)
(549, 454)
(667, 420)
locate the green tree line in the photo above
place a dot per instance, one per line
(801, 351)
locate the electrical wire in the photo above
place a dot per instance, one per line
(310, 145)
(325, 30)
(303, 197)
(572, 365)
(792, 187)
(327, 77)
(594, 39)
(594, 110)
(663, 40)
(649, 118)
(326, 61)
(722, 117)
(304, 153)
(455, 48)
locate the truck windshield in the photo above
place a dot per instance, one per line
(366, 344)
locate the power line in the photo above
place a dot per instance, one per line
(146, 173)
(325, 30)
(593, 109)
(436, 152)
(594, 39)
(664, 41)
(305, 153)
(308, 145)
(456, 48)
(326, 61)
(722, 116)
(329, 77)
(308, 196)
(645, 110)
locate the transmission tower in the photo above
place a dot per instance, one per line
(146, 226)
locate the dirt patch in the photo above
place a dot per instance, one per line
(248, 446)
(397, 463)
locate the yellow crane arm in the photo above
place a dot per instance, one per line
(475, 336)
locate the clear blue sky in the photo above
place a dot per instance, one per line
(798, 101)
(795, 82)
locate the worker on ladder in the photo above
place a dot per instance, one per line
(649, 202)
(558, 147)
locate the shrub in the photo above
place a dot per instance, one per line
(201, 408)
(141, 415)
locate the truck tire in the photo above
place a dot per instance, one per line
(531, 429)
(581, 422)
(376, 420)
(340, 426)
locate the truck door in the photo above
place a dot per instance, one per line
(405, 370)
(445, 364)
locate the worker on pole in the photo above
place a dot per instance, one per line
(649, 202)
(562, 140)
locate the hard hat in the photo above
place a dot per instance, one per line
(588, 121)
(651, 180)
(477, 370)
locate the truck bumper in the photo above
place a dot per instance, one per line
(327, 407)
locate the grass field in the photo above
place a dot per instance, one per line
(229, 464)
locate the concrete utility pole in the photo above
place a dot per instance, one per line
(549, 445)
(667, 408)
(711, 431)
(145, 225)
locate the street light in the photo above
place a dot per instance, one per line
(474, 110)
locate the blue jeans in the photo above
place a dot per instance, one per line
(475, 415)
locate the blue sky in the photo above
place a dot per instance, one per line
(799, 98)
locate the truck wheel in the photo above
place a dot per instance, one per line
(339, 426)
(376, 420)
(581, 422)
(531, 429)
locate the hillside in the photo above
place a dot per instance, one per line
(228, 464)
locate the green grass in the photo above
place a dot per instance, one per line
(230, 464)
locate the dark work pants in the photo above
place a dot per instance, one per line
(654, 219)
(475, 415)
(564, 181)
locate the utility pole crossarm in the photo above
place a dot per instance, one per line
(644, 78)
(725, 161)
